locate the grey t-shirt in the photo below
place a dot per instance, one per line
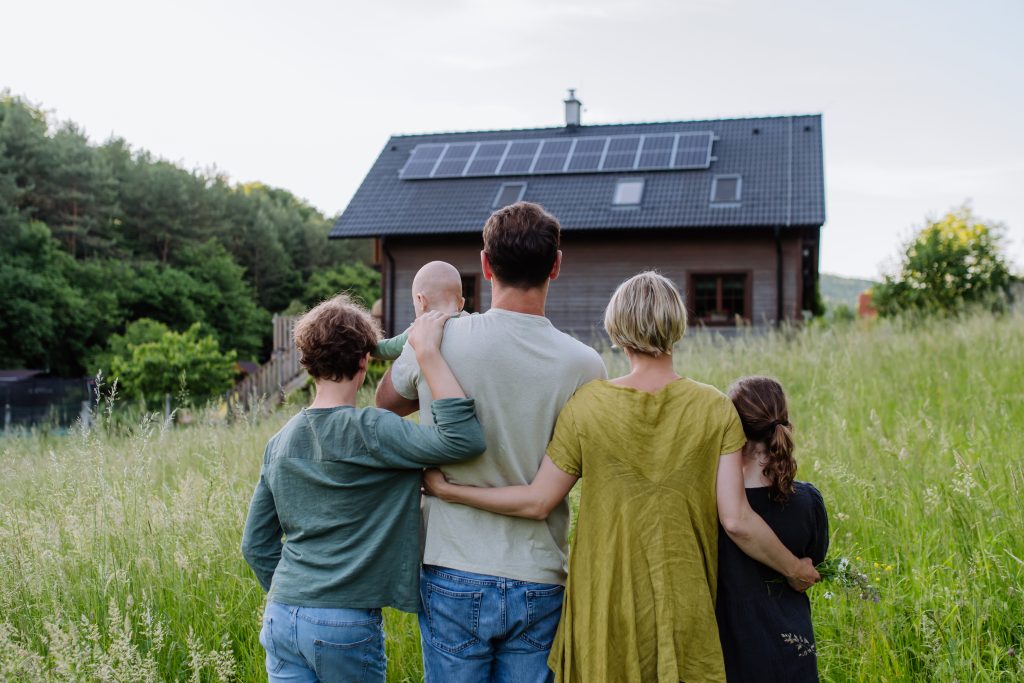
(521, 371)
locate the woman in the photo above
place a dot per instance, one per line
(341, 484)
(655, 452)
(765, 628)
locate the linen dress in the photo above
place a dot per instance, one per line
(640, 598)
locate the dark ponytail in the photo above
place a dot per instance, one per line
(761, 404)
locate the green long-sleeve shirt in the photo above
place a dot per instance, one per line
(343, 487)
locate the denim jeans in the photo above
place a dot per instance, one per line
(310, 644)
(478, 628)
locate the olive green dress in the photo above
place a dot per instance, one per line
(640, 599)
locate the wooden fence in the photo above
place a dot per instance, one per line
(279, 375)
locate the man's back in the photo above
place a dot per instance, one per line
(521, 371)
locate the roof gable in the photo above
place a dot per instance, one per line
(778, 160)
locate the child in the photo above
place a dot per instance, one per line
(765, 627)
(436, 287)
(341, 484)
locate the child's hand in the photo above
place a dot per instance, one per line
(427, 331)
(433, 482)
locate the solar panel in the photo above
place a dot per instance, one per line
(552, 156)
(587, 154)
(693, 151)
(454, 161)
(520, 157)
(488, 156)
(621, 154)
(580, 154)
(656, 151)
(422, 161)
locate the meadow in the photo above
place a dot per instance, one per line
(119, 554)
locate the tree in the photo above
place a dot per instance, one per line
(177, 363)
(358, 279)
(954, 261)
(228, 302)
(45, 322)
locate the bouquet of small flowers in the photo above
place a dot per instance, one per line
(843, 574)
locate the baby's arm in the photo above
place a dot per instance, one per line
(536, 501)
(390, 349)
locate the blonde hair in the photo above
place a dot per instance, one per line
(646, 314)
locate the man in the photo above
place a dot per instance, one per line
(491, 587)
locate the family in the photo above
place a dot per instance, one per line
(693, 545)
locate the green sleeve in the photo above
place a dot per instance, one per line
(390, 349)
(455, 435)
(261, 539)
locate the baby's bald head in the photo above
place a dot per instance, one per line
(437, 287)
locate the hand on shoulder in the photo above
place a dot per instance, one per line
(427, 331)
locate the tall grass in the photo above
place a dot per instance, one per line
(119, 548)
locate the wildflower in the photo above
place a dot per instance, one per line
(828, 595)
(842, 516)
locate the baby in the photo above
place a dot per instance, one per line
(436, 287)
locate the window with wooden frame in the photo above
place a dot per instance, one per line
(719, 298)
(471, 293)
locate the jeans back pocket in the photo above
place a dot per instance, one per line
(543, 612)
(453, 617)
(274, 663)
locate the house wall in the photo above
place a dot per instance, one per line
(594, 264)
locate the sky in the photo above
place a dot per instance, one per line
(923, 101)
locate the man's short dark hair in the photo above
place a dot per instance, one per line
(521, 242)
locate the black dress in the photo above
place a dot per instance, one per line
(765, 626)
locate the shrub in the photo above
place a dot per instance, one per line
(955, 261)
(179, 363)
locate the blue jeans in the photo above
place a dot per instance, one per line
(478, 628)
(310, 644)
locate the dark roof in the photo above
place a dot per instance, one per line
(781, 167)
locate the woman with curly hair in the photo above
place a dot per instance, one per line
(765, 627)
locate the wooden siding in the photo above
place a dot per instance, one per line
(594, 265)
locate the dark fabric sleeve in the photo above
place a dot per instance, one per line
(261, 539)
(456, 435)
(817, 546)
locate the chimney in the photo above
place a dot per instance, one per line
(572, 110)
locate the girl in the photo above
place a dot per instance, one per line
(765, 627)
(660, 459)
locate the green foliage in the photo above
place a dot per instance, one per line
(93, 237)
(184, 364)
(358, 279)
(954, 262)
(121, 548)
(842, 314)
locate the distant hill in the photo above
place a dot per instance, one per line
(837, 290)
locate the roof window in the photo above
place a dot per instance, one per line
(725, 189)
(628, 192)
(509, 193)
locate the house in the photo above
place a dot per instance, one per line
(730, 209)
